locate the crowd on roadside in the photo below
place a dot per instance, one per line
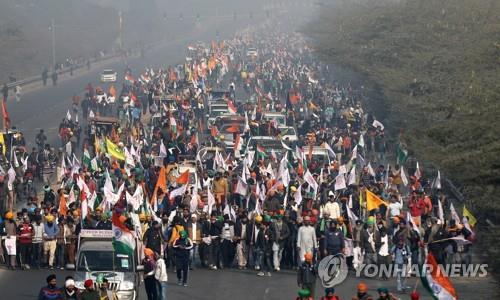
(338, 187)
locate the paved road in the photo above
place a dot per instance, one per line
(45, 107)
(245, 285)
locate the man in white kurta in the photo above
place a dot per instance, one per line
(306, 238)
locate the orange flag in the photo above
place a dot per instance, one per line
(214, 131)
(373, 201)
(184, 178)
(160, 183)
(63, 207)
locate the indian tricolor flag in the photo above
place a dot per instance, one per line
(261, 151)
(436, 282)
(231, 107)
(123, 238)
(130, 79)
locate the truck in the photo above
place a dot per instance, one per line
(96, 258)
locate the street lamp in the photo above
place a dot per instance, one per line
(52, 28)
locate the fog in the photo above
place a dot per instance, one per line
(91, 28)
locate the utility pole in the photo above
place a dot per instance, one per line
(120, 19)
(53, 29)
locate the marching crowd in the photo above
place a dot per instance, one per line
(261, 206)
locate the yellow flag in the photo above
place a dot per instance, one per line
(373, 201)
(472, 219)
(2, 142)
(114, 150)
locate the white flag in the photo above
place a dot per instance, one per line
(210, 202)
(241, 187)
(71, 197)
(330, 150)
(340, 182)
(440, 212)
(228, 210)
(403, 176)
(68, 149)
(285, 146)
(437, 183)
(136, 199)
(91, 114)
(418, 174)
(413, 225)
(370, 170)
(193, 205)
(68, 116)
(163, 150)
(342, 170)
(178, 191)
(454, 214)
(378, 124)
(91, 201)
(298, 195)
(352, 217)
(352, 177)
(361, 140)
(311, 181)
(270, 171)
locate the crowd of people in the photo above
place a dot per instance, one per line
(262, 206)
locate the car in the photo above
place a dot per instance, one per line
(288, 133)
(268, 144)
(319, 154)
(252, 52)
(108, 75)
(278, 117)
(96, 257)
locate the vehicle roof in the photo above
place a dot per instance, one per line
(96, 245)
(264, 137)
(108, 70)
(103, 119)
(269, 113)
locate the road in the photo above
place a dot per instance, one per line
(45, 107)
(226, 284)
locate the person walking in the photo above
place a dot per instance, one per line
(11, 239)
(37, 242)
(50, 233)
(306, 239)
(161, 277)
(25, 232)
(50, 291)
(362, 293)
(69, 291)
(306, 276)
(182, 247)
(89, 293)
(149, 274)
(401, 253)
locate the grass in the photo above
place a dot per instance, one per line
(436, 63)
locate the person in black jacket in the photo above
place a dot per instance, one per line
(334, 240)
(240, 237)
(182, 247)
(281, 232)
(214, 232)
(264, 245)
